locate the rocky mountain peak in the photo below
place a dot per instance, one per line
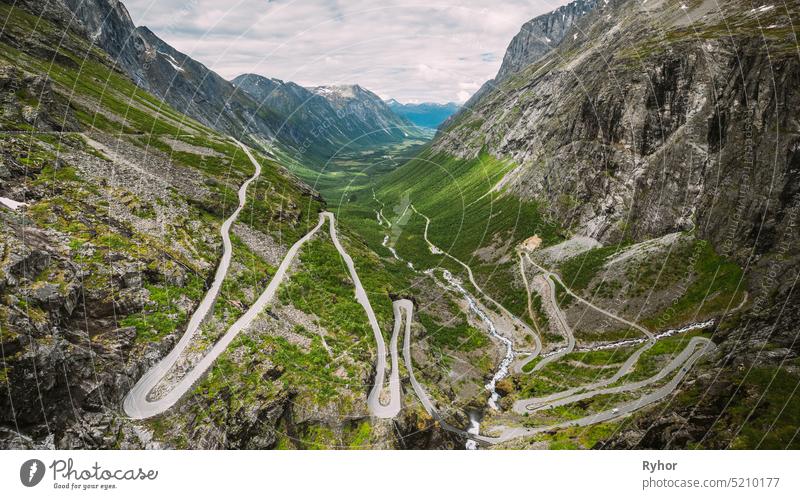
(539, 35)
(345, 92)
(253, 107)
(108, 25)
(535, 38)
(255, 79)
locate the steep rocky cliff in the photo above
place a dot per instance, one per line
(643, 121)
(539, 35)
(535, 39)
(662, 117)
(181, 81)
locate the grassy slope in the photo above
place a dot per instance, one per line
(465, 216)
(104, 101)
(275, 207)
(83, 74)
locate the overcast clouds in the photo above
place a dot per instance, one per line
(440, 50)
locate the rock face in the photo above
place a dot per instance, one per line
(58, 341)
(155, 66)
(535, 39)
(644, 121)
(109, 25)
(628, 135)
(30, 99)
(539, 35)
(265, 110)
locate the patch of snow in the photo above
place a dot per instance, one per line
(343, 91)
(763, 8)
(172, 62)
(11, 204)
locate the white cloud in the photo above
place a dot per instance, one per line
(440, 50)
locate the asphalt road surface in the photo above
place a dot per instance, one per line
(392, 408)
(137, 403)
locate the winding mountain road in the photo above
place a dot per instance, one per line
(551, 277)
(138, 403)
(563, 326)
(559, 399)
(682, 363)
(524, 276)
(589, 304)
(516, 320)
(405, 308)
(623, 409)
(392, 408)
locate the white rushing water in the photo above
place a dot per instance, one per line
(474, 429)
(391, 249)
(502, 370)
(665, 334)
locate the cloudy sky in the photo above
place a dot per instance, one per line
(413, 51)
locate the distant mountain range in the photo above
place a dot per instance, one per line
(426, 114)
(339, 115)
(314, 123)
